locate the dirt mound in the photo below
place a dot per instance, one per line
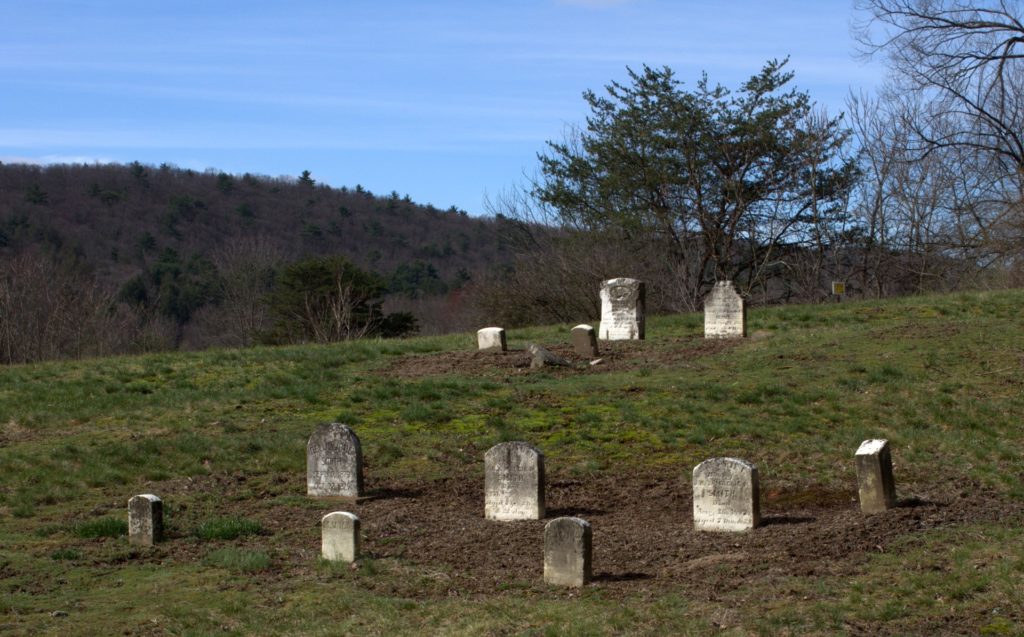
(615, 356)
(644, 542)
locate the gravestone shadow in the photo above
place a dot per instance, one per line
(621, 577)
(573, 512)
(772, 520)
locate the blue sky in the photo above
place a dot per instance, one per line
(446, 101)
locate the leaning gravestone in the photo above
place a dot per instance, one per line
(145, 520)
(340, 536)
(491, 339)
(567, 552)
(334, 462)
(541, 357)
(875, 484)
(513, 482)
(622, 310)
(725, 313)
(725, 495)
(584, 341)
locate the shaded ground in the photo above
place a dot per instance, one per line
(614, 356)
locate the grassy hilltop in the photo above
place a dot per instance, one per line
(220, 436)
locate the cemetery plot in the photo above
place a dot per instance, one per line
(428, 540)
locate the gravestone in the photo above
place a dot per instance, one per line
(542, 357)
(622, 310)
(567, 552)
(875, 483)
(726, 496)
(584, 341)
(334, 462)
(513, 482)
(491, 339)
(725, 312)
(340, 536)
(145, 520)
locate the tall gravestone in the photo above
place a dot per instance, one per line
(513, 482)
(340, 536)
(726, 495)
(622, 310)
(491, 339)
(567, 552)
(875, 484)
(145, 520)
(334, 462)
(584, 341)
(725, 312)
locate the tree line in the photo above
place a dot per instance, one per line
(917, 188)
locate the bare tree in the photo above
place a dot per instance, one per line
(964, 62)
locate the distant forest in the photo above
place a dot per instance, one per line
(191, 259)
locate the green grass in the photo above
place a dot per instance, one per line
(227, 528)
(939, 376)
(102, 527)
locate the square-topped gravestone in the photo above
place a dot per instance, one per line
(567, 552)
(513, 482)
(725, 312)
(340, 536)
(334, 462)
(145, 520)
(622, 310)
(875, 484)
(584, 341)
(726, 495)
(491, 339)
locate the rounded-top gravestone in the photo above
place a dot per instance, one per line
(622, 310)
(584, 341)
(726, 495)
(725, 312)
(513, 482)
(334, 462)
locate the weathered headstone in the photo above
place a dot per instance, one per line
(875, 483)
(542, 357)
(622, 310)
(513, 482)
(584, 341)
(491, 339)
(725, 312)
(145, 520)
(567, 552)
(334, 462)
(726, 495)
(340, 536)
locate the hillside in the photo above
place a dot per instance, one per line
(221, 437)
(117, 219)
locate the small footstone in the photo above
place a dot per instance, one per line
(543, 357)
(567, 552)
(725, 495)
(513, 482)
(875, 483)
(584, 341)
(491, 339)
(145, 520)
(334, 462)
(340, 536)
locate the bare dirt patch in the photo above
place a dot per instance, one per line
(615, 356)
(644, 542)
